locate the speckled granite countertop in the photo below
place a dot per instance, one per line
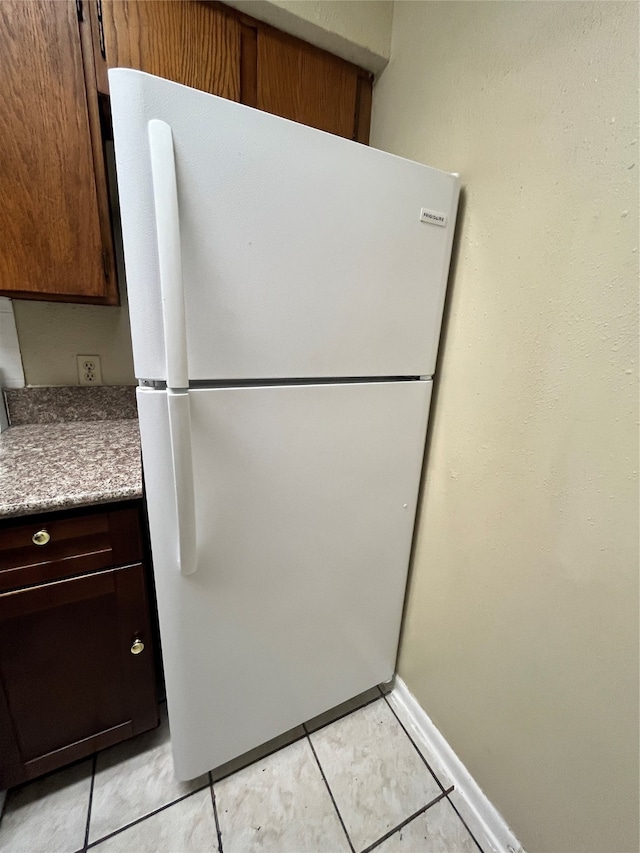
(59, 465)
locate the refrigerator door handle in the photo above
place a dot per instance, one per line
(180, 429)
(165, 198)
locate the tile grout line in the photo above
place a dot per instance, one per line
(94, 762)
(324, 778)
(453, 806)
(442, 796)
(215, 813)
(144, 817)
(415, 746)
(413, 743)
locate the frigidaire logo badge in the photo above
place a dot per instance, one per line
(433, 217)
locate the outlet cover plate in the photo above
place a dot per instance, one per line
(89, 370)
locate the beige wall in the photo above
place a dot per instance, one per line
(51, 335)
(521, 636)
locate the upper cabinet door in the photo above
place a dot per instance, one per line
(300, 82)
(55, 241)
(195, 44)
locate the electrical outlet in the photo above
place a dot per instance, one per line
(89, 371)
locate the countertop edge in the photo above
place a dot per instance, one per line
(88, 499)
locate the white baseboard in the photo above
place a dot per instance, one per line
(484, 820)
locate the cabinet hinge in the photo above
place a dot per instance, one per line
(103, 51)
(106, 266)
(79, 9)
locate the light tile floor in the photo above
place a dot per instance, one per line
(340, 784)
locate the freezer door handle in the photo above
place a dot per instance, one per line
(165, 198)
(180, 429)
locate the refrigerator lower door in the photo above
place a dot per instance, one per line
(305, 500)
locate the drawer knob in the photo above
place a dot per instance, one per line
(137, 647)
(41, 537)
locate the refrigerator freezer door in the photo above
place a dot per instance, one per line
(305, 505)
(303, 254)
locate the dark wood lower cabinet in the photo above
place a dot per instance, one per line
(76, 670)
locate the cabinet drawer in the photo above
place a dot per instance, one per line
(70, 544)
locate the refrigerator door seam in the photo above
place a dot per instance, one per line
(310, 380)
(157, 385)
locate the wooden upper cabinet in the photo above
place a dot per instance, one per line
(192, 43)
(220, 50)
(56, 239)
(300, 82)
(54, 205)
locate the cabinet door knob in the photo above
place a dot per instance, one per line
(137, 647)
(41, 537)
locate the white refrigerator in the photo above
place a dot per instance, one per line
(286, 289)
